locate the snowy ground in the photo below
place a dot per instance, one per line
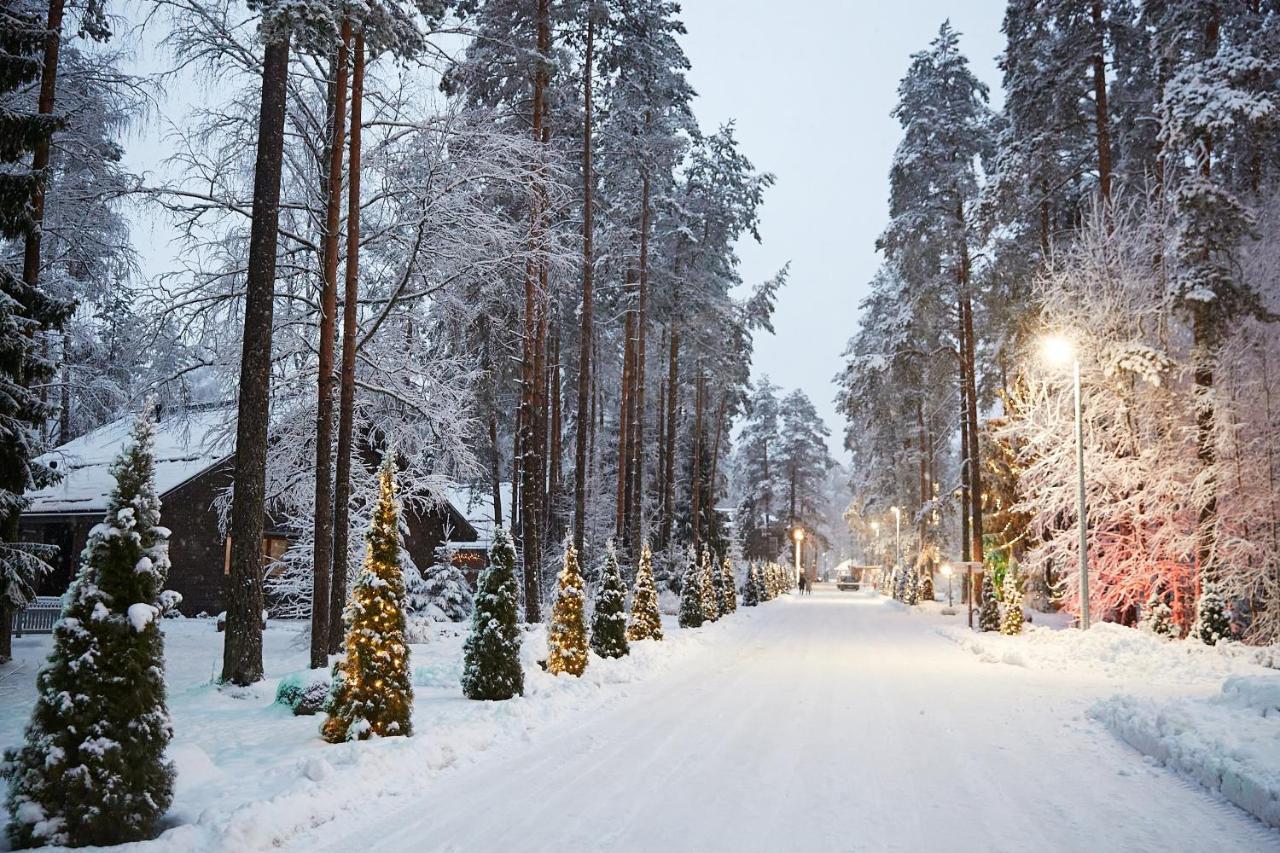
(834, 722)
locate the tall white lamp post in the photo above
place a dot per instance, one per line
(950, 609)
(1060, 351)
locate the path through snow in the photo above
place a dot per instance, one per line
(834, 722)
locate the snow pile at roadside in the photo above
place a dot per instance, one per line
(1117, 652)
(1229, 743)
(251, 776)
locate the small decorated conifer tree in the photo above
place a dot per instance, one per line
(609, 621)
(1157, 617)
(691, 594)
(1211, 623)
(646, 619)
(751, 587)
(989, 611)
(730, 586)
(567, 634)
(1011, 622)
(491, 654)
(372, 688)
(711, 581)
(924, 587)
(910, 587)
(92, 770)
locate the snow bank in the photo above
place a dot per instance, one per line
(1117, 652)
(252, 776)
(1229, 743)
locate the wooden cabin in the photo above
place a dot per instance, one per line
(194, 455)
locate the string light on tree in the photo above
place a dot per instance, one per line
(567, 635)
(372, 687)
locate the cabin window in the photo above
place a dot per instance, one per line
(273, 548)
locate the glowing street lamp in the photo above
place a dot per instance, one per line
(1060, 352)
(798, 535)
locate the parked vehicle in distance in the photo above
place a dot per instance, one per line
(848, 582)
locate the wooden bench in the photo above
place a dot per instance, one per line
(39, 616)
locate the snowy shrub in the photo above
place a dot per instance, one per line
(691, 595)
(989, 610)
(1157, 617)
(1212, 623)
(440, 594)
(92, 770)
(305, 692)
(729, 587)
(491, 653)
(609, 619)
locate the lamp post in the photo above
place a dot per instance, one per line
(947, 571)
(1060, 351)
(798, 535)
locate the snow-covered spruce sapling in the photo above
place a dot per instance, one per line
(1157, 617)
(1011, 621)
(440, 593)
(567, 634)
(709, 577)
(92, 769)
(1212, 623)
(750, 587)
(909, 587)
(609, 619)
(989, 610)
(730, 586)
(646, 619)
(691, 597)
(491, 653)
(372, 686)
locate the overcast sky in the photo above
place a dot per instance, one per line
(811, 84)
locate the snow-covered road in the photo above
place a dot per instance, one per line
(834, 722)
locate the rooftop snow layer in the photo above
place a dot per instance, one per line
(185, 445)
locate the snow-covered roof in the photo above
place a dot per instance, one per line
(476, 506)
(185, 445)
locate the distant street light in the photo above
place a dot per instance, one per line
(1060, 352)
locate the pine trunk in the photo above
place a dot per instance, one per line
(322, 549)
(40, 154)
(1100, 103)
(669, 461)
(695, 490)
(588, 269)
(242, 650)
(347, 376)
(624, 427)
(637, 415)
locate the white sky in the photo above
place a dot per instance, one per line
(811, 84)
